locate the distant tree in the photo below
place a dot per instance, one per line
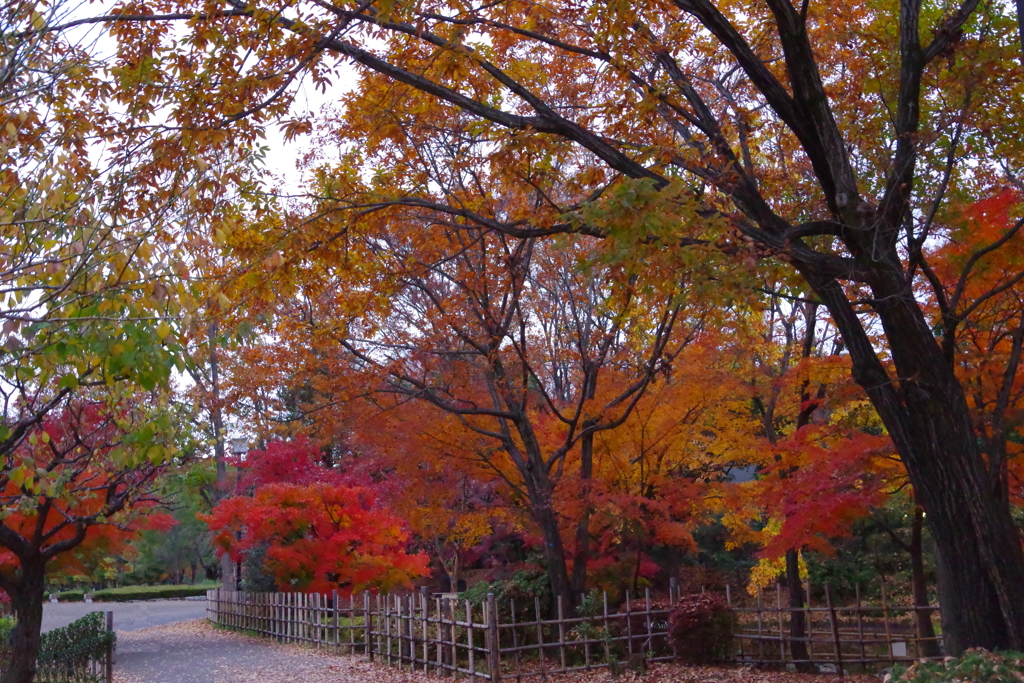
(318, 537)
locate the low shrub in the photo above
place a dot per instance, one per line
(700, 629)
(126, 593)
(975, 665)
(6, 626)
(523, 588)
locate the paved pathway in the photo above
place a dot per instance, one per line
(195, 652)
(128, 616)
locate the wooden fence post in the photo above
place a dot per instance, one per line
(561, 633)
(334, 622)
(607, 631)
(493, 646)
(110, 649)
(835, 630)
(888, 629)
(469, 641)
(782, 634)
(367, 630)
(540, 639)
(424, 618)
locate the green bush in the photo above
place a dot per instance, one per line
(126, 593)
(6, 626)
(523, 587)
(975, 665)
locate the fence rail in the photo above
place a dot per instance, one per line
(451, 636)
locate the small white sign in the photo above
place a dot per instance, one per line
(899, 649)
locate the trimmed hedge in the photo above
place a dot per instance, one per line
(126, 593)
(68, 596)
(77, 643)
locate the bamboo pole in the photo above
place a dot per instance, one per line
(367, 634)
(650, 626)
(454, 607)
(782, 634)
(607, 631)
(586, 640)
(110, 650)
(469, 641)
(629, 630)
(885, 619)
(440, 637)
(424, 618)
(351, 623)
(494, 646)
(860, 625)
(540, 640)
(561, 632)
(515, 641)
(810, 622)
(733, 619)
(760, 643)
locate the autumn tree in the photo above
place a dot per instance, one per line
(81, 479)
(528, 351)
(841, 141)
(318, 537)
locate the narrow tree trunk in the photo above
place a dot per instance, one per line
(797, 623)
(27, 601)
(228, 575)
(929, 647)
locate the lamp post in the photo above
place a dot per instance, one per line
(239, 447)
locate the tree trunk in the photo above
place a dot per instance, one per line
(929, 646)
(554, 551)
(797, 623)
(543, 513)
(978, 548)
(228, 575)
(27, 601)
(582, 552)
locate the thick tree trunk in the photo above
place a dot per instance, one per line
(929, 646)
(27, 601)
(978, 548)
(797, 623)
(543, 513)
(554, 551)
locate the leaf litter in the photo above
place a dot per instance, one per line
(320, 666)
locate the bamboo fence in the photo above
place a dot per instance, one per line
(446, 635)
